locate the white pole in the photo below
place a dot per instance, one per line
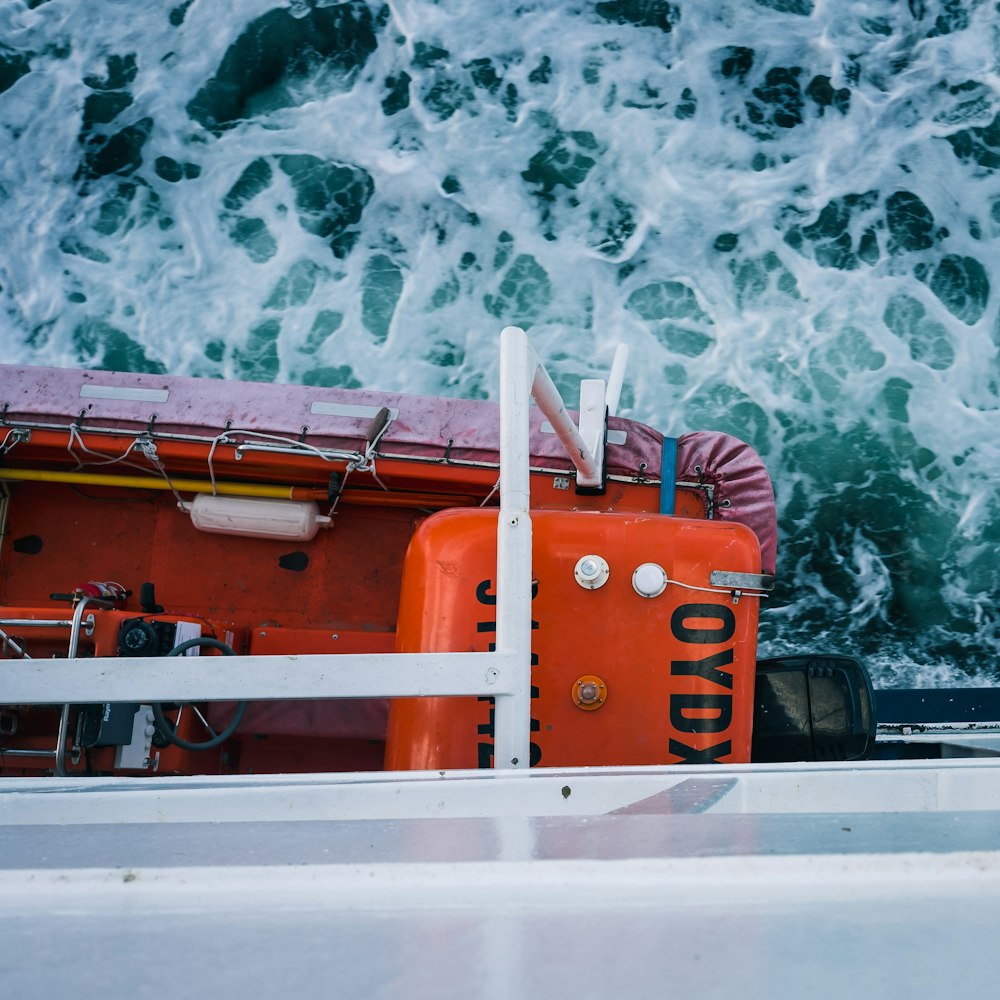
(550, 403)
(512, 713)
(616, 378)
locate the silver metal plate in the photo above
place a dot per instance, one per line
(741, 581)
(124, 392)
(350, 410)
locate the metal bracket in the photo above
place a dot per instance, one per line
(751, 584)
(17, 435)
(741, 581)
(593, 430)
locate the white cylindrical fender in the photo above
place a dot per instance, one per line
(256, 517)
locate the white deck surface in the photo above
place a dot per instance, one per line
(880, 880)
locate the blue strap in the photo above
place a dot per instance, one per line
(668, 475)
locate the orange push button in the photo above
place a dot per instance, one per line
(589, 692)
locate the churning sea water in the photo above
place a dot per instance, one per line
(789, 209)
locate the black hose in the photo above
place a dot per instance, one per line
(166, 729)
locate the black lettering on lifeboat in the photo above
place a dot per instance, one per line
(719, 709)
(710, 755)
(708, 668)
(485, 747)
(723, 632)
(703, 624)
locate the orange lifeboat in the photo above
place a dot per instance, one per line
(637, 658)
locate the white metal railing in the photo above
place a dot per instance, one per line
(504, 674)
(583, 444)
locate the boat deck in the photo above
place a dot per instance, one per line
(781, 880)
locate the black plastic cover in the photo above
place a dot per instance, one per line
(107, 725)
(814, 707)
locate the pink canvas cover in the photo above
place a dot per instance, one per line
(743, 490)
(424, 426)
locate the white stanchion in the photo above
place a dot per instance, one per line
(512, 713)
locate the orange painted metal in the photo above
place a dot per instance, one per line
(679, 668)
(266, 641)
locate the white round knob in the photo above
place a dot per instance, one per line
(591, 572)
(650, 580)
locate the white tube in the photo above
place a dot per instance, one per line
(616, 378)
(549, 401)
(512, 713)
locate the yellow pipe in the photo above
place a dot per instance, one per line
(274, 492)
(148, 483)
